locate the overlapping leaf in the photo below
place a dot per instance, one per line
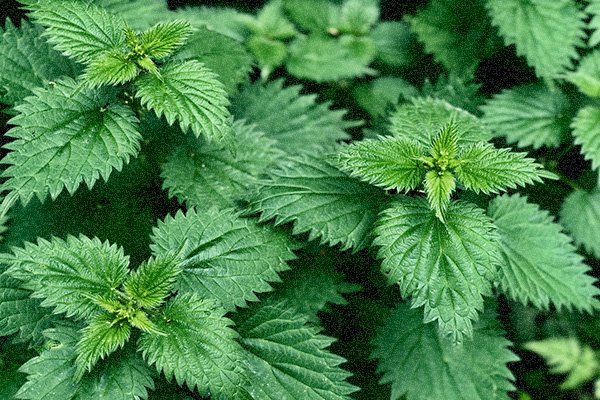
(567, 356)
(423, 118)
(321, 58)
(65, 137)
(456, 32)
(593, 9)
(529, 115)
(222, 256)
(199, 347)
(201, 174)
(123, 376)
(190, 93)
(294, 120)
(422, 365)
(547, 33)
(388, 162)
(28, 62)
(67, 274)
(80, 30)
(223, 55)
(486, 169)
(580, 214)
(320, 200)
(444, 266)
(540, 263)
(586, 130)
(586, 77)
(287, 357)
(20, 313)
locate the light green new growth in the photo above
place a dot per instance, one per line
(547, 33)
(100, 338)
(540, 263)
(69, 274)
(444, 266)
(422, 365)
(198, 348)
(567, 356)
(587, 76)
(402, 164)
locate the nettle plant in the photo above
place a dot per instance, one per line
(230, 220)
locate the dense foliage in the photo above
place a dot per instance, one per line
(300, 199)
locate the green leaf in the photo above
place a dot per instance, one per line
(586, 130)
(139, 14)
(199, 347)
(223, 20)
(439, 186)
(382, 94)
(541, 265)
(529, 115)
(28, 62)
(223, 55)
(395, 43)
(483, 168)
(163, 39)
(357, 17)
(101, 337)
(66, 274)
(152, 282)
(547, 33)
(201, 174)
(313, 284)
(593, 9)
(268, 52)
(445, 145)
(190, 93)
(422, 365)
(445, 266)
(388, 162)
(50, 375)
(287, 357)
(322, 59)
(110, 68)
(294, 120)
(272, 23)
(456, 32)
(63, 137)
(587, 77)
(311, 15)
(567, 356)
(422, 120)
(19, 313)
(69, 28)
(223, 256)
(580, 214)
(459, 92)
(320, 200)
(123, 376)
